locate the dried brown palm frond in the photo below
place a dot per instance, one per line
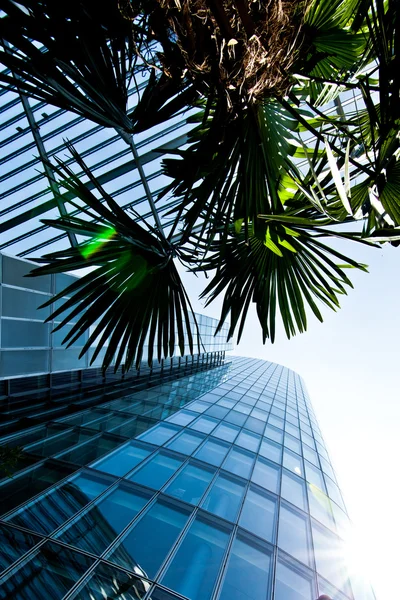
(243, 49)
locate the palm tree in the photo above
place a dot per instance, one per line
(269, 169)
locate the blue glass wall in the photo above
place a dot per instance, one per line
(229, 495)
(27, 345)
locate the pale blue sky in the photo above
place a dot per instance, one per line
(350, 364)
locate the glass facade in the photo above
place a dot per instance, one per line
(27, 345)
(227, 493)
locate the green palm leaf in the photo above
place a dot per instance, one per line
(132, 299)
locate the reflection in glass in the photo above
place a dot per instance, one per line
(51, 510)
(271, 450)
(225, 497)
(110, 582)
(249, 567)
(293, 489)
(212, 452)
(13, 544)
(157, 471)
(292, 583)
(226, 432)
(160, 434)
(293, 462)
(190, 484)
(293, 534)
(239, 462)
(259, 514)
(333, 570)
(124, 459)
(194, 569)
(148, 543)
(100, 525)
(266, 474)
(53, 568)
(186, 442)
(22, 487)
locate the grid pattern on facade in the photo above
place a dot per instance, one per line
(27, 345)
(231, 493)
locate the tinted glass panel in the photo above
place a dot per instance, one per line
(212, 452)
(157, 471)
(259, 514)
(248, 440)
(333, 570)
(194, 569)
(97, 528)
(56, 507)
(204, 424)
(239, 462)
(108, 582)
(293, 489)
(271, 450)
(186, 442)
(160, 527)
(13, 544)
(160, 434)
(190, 484)
(225, 497)
(266, 474)
(23, 487)
(249, 565)
(53, 568)
(92, 450)
(123, 460)
(226, 432)
(293, 584)
(293, 535)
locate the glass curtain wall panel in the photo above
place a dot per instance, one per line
(230, 496)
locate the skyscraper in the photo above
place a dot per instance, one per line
(214, 484)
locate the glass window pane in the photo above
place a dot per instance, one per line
(160, 434)
(186, 442)
(190, 484)
(159, 527)
(54, 508)
(273, 434)
(314, 476)
(236, 418)
(333, 570)
(84, 454)
(259, 514)
(248, 440)
(293, 535)
(204, 424)
(212, 452)
(271, 450)
(183, 417)
(157, 471)
(293, 584)
(293, 489)
(226, 432)
(217, 411)
(225, 497)
(52, 568)
(239, 462)
(110, 582)
(293, 462)
(13, 544)
(255, 425)
(123, 460)
(194, 569)
(266, 474)
(100, 525)
(24, 486)
(320, 506)
(249, 565)
(292, 443)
